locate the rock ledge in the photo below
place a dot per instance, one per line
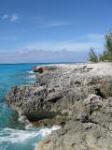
(77, 97)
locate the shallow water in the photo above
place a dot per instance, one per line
(13, 134)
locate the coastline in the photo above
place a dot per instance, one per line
(75, 96)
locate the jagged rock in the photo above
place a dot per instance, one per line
(78, 97)
(77, 136)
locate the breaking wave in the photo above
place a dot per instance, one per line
(23, 138)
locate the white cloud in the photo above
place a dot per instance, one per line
(57, 24)
(68, 45)
(42, 56)
(10, 17)
(47, 51)
(13, 17)
(95, 41)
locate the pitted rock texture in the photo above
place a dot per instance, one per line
(78, 97)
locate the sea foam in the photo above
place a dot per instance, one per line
(20, 136)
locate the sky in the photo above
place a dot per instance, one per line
(52, 30)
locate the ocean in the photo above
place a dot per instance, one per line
(13, 133)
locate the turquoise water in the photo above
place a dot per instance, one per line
(13, 135)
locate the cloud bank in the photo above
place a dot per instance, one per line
(59, 51)
(43, 56)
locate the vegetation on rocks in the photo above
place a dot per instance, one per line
(107, 53)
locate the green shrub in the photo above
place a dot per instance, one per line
(108, 46)
(92, 56)
(104, 56)
(107, 54)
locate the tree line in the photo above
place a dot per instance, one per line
(107, 53)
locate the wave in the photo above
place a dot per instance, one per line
(16, 136)
(31, 75)
(30, 72)
(9, 136)
(47, 131)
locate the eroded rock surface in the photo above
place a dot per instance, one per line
(78, 97)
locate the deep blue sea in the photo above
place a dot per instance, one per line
(13, 134)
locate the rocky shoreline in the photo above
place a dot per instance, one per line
(78, 97)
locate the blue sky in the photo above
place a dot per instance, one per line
(31, 26)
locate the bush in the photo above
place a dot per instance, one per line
(92, 56)
(107, 54)
(108, 44)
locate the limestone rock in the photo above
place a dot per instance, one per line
(78, 97)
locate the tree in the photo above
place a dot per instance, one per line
(104, 56)
(108, 45)
(92, 56)
(107, 54)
